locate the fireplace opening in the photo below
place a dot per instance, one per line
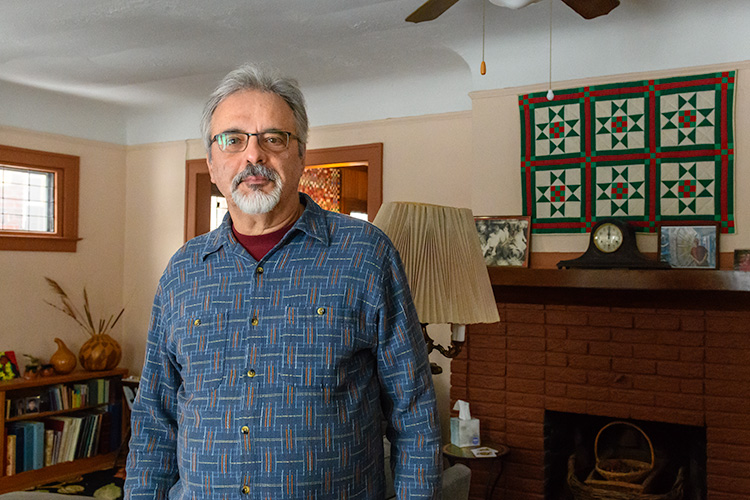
(677, 449)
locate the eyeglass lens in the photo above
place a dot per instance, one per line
(236, 142)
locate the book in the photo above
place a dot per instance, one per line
(10, 454)
(37, 446)
(55, 398)
(103, 388)
(115, 410)
(18, 432)
(49, 443)
(93, 391)
(56, 426)
(105, 434)
(65, 438)
(97, 434)
(74, 437)
(24, 445)
(83, 436)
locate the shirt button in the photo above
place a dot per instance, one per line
(254, 321)
(259, 270)
(251, 373)
(245, 429)
(197, 322)
(245, 490)
(321, 311)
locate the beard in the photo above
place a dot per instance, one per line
(257, 202)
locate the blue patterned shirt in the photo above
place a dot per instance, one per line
(269, 379)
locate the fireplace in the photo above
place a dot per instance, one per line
(668, 449)
(664, 349)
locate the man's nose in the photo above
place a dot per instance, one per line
(254, 154)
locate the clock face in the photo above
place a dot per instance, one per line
(608, 238)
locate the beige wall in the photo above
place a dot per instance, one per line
(154, 230)
(29, 325)
(467, 159)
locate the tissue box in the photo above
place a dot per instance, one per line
(464, 432)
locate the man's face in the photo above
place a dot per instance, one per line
(253, 111)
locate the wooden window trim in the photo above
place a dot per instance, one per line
(66, 171)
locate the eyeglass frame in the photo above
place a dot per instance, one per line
(257, 135)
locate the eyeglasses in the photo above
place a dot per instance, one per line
(273, 141)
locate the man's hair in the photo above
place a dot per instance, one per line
(255, 77)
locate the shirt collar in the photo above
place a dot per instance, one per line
(312, 222)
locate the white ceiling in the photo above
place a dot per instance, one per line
(144, 55)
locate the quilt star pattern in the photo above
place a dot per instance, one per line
(645, 151)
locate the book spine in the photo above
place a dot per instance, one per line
(28, 446)
(37, 429)
(49, 444)
(10, 454)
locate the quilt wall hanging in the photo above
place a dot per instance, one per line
(644, 151)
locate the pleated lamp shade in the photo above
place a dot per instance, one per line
(440, 249)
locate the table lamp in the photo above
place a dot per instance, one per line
(444, 265)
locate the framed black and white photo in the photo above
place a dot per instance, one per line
(742, 260)
(505, 240)
(689, 246)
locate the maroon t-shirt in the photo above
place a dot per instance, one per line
(260, 245)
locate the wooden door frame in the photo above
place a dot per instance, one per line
(198, 182)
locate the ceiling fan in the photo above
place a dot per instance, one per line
(588, 9)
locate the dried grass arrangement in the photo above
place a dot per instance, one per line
(86, 320)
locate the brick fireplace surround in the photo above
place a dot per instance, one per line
(666, 346)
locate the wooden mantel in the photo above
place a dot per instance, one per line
(673, 288)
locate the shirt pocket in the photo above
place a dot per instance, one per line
(320, 344)
(201, 344)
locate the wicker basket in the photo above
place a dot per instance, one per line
(637, 470)
(613, 490)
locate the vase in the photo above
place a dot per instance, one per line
(100, 352)
(63, 361)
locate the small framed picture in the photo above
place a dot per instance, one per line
(689, 246)
(742, 260)
(505, 240)
(8, 366)
(33, 404)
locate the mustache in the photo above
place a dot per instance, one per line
(254, 170)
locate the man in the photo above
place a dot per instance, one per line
(280, 340)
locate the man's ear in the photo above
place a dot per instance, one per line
(210, 168)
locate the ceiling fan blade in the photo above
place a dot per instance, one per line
(430, 10)
(589, 9)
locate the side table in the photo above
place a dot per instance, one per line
(455, 455)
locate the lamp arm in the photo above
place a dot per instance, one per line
(451, 352)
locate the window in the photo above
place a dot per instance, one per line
(38, 200)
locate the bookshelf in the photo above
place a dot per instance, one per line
(99, 443)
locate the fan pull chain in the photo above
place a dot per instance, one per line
(483, 67)
(550, 94)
